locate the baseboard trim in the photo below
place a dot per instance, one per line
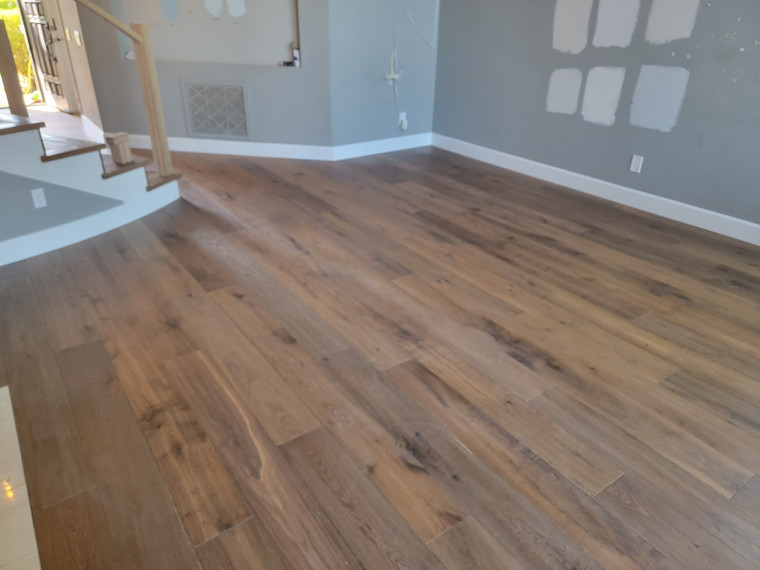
(382, 146)
(706, 219)
(51, 239)
(292, 151)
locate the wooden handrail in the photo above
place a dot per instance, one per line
(146, 66)
(108, 17)
(9, 75)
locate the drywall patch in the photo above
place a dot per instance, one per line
(564, 91)
(616, 22)
(658, 97)
(602, 95)
(571, 25)
(236, 8)
(671, 20)
(214, 7)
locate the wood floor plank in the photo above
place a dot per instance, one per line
(74, 534)
(144, 527)
(204, 493)
(514, 373)
(469, 545)
(427, 508)
(55, 459)
(600, 533)
(247, 545)
(300, 529)
(374, 531)
(529, 534)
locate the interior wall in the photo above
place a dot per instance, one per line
(339, 96)
(285, 105)
(497, 59)
(364, 105)
(241, 32)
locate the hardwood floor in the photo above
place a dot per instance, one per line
(405, 361)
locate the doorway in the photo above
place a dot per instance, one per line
(46, 33)
(14, 24)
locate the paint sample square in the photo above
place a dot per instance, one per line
(616, 22)
(671, 20)
(658, 97)
(571, 25)
(602, 95)
(564, 91)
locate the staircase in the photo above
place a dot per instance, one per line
(57, 191)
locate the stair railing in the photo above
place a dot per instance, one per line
(146, 67)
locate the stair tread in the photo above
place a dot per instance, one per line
(14, 124)
(110, 168)
(61, 147)
(154, 180)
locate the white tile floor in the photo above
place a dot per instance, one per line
(18, 546)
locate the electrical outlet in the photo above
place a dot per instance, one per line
(38, 197)
(637, 162)
(403, 123)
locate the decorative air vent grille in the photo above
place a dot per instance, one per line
(216, 110)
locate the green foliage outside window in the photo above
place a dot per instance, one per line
(9, 12)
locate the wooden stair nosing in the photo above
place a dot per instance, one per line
(156, 181)
(66, 147)
(111, 169)
(10, 124)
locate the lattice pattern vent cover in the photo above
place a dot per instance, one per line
(216, 110)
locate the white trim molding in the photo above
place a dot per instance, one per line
(292, 151)
(723, 224)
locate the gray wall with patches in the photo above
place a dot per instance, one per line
(495, 61)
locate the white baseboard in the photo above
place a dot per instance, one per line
(44, 241)
(706, 219)
(382, 146)
(292, 151)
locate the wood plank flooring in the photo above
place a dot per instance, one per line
(405, 361)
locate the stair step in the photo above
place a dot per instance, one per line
(111, 169)
(15, 124)
(62, 147)
(155, 181)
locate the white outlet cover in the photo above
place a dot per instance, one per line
(637, 162)
(38, 197)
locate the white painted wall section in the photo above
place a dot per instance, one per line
(616, 22)
(671, 20)
(658, 97)
(571, 25)
(564, 91)
(602, 96)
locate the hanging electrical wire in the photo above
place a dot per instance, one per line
(395, 72)
(434, 43)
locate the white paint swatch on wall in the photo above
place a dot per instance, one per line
(616, 22)
(236, 8)
(671, 20)
(658, 97)
(564, 91)
(571, 25)
(214, 7)
(602, 95)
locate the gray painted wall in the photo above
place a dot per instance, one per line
(339, 96)
(495, 61)
(361, 42)
(285, 105)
